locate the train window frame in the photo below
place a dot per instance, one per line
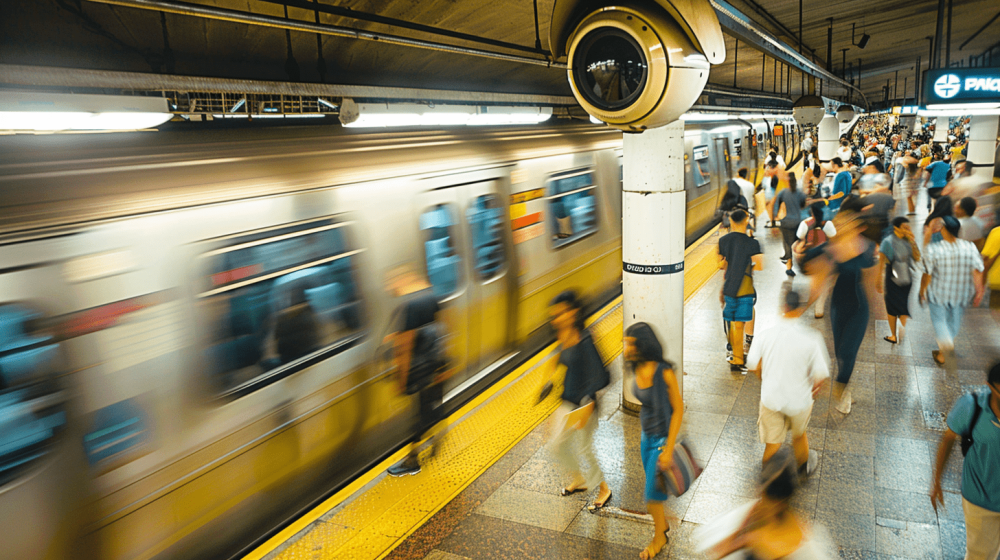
(42, 390)
(700, 179)
(501, 267)
(554, 240)
(454, 214)
(351, 313)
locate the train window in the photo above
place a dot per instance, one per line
(276, 297)
(443, 262)
(485, 220)
(31, 413)
(703, 172)
(574, 207)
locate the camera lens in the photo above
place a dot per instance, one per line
(609, 69)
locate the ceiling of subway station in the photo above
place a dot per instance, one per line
(92, 35)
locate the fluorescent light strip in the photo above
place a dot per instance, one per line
(55, 121)
(412, 114)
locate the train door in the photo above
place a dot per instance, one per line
(487, 273)
(442, 246)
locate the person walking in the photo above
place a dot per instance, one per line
(849, 259)
(843, 182)
(792, 363)
(938, 174)
(749, 193)
(576, 417)
(419, 359)
(791, 201)
(972, 227)
(739, 256)
(897, 255)
(952, 277)
(812, 234)
(975, 419)
(655, 386)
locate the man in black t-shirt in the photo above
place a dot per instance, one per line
(419, 317)
(739, 256)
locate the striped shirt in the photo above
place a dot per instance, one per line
(950, 267)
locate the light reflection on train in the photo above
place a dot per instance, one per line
(189, 345)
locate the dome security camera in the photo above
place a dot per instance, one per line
(808, 110)
(845, 114)
(637, 65)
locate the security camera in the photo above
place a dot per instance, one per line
(845, 114)
(637, 65)
(808, 110)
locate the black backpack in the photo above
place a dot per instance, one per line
(428, 358)
(967, 439)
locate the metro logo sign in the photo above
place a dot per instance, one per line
(961, 85)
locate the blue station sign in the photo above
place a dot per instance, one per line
(961, 85)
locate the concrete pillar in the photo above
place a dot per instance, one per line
(653, 207)
(983, 145)
(829, 137)
(940, 130)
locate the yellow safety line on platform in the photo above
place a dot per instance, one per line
(385, 515)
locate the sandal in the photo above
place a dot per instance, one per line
(592, 508)
(571, 491)
(650, 553)
(889, 339)
(938, 358)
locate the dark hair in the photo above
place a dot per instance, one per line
(772, 163)
(779, 477)
(968, 205)
(647, 345)
(899, 221)
(571, 299)
(743, 172)
(738, 217)
(844, 142)
(793, 183)
(878, 166)
(773, 154)
(732, 197)
(952, 225)
(993, 376)
(837, 161)
(943, 207)
(816, 208)
(792, 300)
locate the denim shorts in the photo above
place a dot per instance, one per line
(739, 309)
(650, 448)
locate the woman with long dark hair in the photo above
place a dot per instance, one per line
(849, 258)
(583, 368)
(656, 387)
(793, 201)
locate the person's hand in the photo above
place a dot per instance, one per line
(922, 297)
(665, 461)
(937, 495)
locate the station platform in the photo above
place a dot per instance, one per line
(492, 491)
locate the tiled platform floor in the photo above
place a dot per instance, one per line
(870, 491)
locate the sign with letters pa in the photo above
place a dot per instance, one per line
(961, 85)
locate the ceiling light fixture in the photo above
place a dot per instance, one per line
(375, 115)
(57, 112)
(863, 42)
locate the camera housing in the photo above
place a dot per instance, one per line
(637, 65)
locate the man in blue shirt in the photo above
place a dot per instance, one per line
(938, 173)
(976, 414)
(842, 183)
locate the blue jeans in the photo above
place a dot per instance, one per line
(650, 448)
(947, 321)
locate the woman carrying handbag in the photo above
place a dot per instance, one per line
(662, 411)
(576, 418)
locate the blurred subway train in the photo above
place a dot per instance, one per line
(149, 406)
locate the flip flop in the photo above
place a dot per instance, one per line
(886, 338)
(938, 359)
(592, 508)
(568, 492)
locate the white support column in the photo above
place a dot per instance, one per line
(829, 137)
(940, 130)
(983, 145)
(653, 206)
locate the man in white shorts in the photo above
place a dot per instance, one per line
(793, 364)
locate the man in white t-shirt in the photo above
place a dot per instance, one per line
(793, 364)
(747, 190)
(844, 152)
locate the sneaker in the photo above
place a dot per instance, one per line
(810, 465)
(783, 260)
(406, 467)
(737, 368)
(790, 273)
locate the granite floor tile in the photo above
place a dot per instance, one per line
(903, 449)
(442, 555)
(899, 474)
(607, 528)
(952, 537)
(532, 508)
(845, 497)
(704, 422)
(849, 530)
(850, 442)
(705, 402)
(848, 468)
(738, 481)
(708, 505)
(904, 506)
(919, 540)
